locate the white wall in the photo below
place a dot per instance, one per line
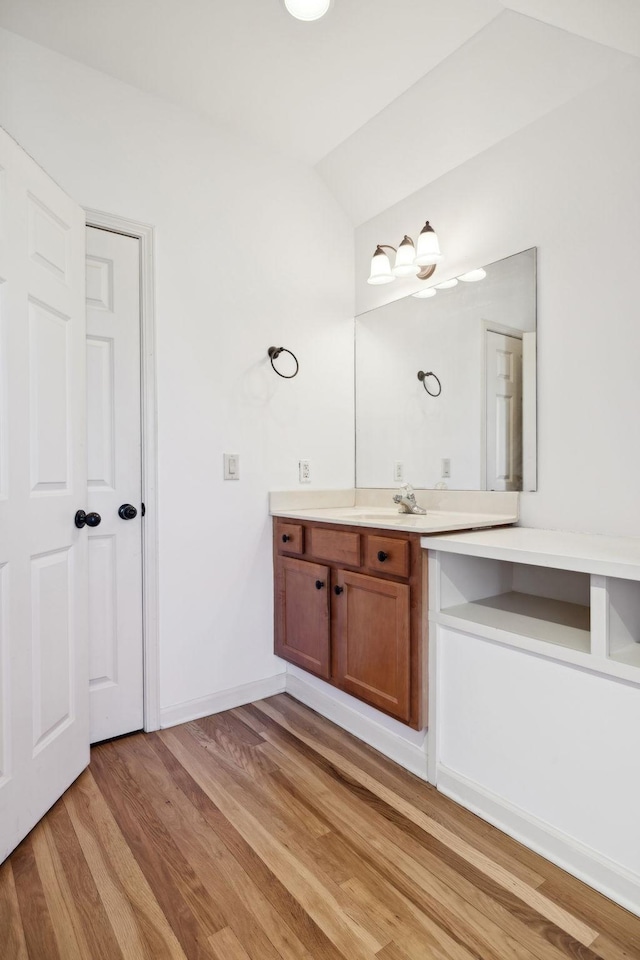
(240, 235)
(569, 185)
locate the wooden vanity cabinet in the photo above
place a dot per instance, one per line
(348, 608)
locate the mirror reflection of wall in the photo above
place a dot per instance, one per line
(479, 339)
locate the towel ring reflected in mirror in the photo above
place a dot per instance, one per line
(273, 354)
(422, 376)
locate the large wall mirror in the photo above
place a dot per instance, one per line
(479, 339)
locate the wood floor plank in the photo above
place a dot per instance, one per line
(576, 928)
(267, 833)
(226, 946)
(191, 912)
(317, 901)
(463, 877)
(247, 911)
(96, 926)
(292, 913)
(34, 912)
(260, 800)
(547, 940)
(520, 861)
(66, 923)
(141, 928)
(12, 942)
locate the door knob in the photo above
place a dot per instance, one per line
(382, 556)
(338, 591)
(319, 584)
(90, 519)
(127, 511)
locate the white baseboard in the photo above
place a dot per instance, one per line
(408, 755)
(585, 863)
(224, 700)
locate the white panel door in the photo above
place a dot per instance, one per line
(44, 702)
(503, 412)
(115, 481)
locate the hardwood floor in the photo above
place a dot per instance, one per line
(268, 833)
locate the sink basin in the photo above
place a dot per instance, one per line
(373, 514)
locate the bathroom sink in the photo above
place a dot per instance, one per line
(374, 513)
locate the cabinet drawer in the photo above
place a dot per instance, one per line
(337, 546)
(388, 555)
(290, 538)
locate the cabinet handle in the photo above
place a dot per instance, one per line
(382, 556)
(285, 538)
(319, 584)
(338, 591)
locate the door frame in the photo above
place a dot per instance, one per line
(144, 233)
(488, 326)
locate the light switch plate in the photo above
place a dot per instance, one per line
(231, 466)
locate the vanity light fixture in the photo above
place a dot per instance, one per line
(411, 260)
(446, 284)
(307, 9)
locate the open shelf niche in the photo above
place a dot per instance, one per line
(540, 603)
(624, 621)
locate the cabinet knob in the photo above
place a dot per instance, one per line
(338, 591)
(285, 538)
(382, 556)
(319, 584)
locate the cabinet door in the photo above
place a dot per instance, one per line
(302, 614)
(373, 640)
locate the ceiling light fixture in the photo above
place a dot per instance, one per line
(411, 260)
(307, 9)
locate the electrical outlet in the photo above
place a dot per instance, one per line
(231, 466)
(398, 471)
(304, 471)
(446, 467)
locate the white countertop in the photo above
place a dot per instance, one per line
(434, 521)
(587, 553)
(447, 510)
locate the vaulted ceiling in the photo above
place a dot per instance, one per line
(382, 95)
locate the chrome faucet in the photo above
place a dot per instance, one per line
(407, 500)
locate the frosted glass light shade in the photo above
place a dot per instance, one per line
(473, 275)
(424, 294)
(380, 268)
(446, 284)
(428, 249)
(405, 265)
(307, 9)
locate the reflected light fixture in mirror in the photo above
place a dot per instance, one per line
(307, 9)
(410, 261)
(425, 294)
